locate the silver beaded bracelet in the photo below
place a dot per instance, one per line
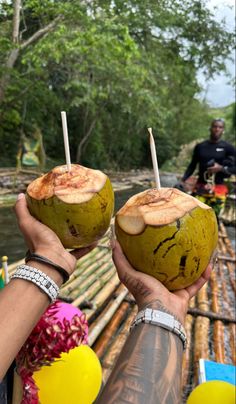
(39, 278)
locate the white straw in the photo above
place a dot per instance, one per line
(66, 140)
(154, 159)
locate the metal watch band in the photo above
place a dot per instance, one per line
(39, 278)
(162, 319)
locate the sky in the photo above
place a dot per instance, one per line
(218, 92)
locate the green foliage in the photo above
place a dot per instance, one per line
(116, 67)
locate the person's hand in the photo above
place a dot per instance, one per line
(216, 168)
(146, 289)
(42, 240)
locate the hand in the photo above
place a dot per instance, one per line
(147, 289)
(42, 240)
(216, 168)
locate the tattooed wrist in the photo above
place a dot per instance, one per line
(148, 369)
(158, 305)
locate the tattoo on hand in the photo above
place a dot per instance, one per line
(136, 285)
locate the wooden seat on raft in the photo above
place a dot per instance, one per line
(95, 288)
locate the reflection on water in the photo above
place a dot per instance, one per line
(11, 241)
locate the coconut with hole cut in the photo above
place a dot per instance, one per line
(167, 234)
(77, 204)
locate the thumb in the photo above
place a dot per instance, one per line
(21, 210)
(122, 264)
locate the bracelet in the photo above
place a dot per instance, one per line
(162, 319)
(39, 278)
(39, 258)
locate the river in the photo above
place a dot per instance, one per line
(12, 243)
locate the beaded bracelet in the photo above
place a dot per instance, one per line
(39, 278)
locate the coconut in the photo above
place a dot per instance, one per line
(77, 205)
(167, 234)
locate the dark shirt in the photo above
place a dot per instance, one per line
(221, 152)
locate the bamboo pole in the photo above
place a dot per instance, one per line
(211, 315)
(101, 324)
(228, 243)
(95, 287)
(227, 300)
(201, 332)
(71, 285)
(232, 329)
(110, 330)
(102, 296)
(85, 263)
(218, 333)
(117, 345)
(187, 353)
(189, 321)
(12, 267)
(82, 284)
(105, 305)
(225, 258)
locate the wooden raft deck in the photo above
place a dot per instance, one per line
(210, 324)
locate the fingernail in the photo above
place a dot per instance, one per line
(20, 196)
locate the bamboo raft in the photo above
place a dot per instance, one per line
(210, 324)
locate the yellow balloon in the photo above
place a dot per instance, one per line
(74, 379)
(213, 392)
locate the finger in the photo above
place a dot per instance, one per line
(21, 211)
(80, 252)
(196, 286)
(122, 264)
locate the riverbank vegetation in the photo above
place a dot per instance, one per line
(116, 67)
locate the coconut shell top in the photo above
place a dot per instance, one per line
(167, 234)
(76, 186)
(155, 208)
(76, 205)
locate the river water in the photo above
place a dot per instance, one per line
(12, 243)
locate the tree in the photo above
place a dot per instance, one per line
(116, 67)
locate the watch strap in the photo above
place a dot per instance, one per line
(162, 319)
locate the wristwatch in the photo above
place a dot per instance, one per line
(162, 319)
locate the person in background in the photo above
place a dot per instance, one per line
(215, 159)
(213, 156)
(149, 367)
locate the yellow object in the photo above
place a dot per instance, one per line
(213, 392)
(167, 234)
(4, 258)
(74, 379)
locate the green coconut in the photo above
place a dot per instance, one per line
(167, 234)
(76, 205)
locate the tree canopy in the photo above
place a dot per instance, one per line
(116, 67)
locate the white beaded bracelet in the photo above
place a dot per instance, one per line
(39, 278)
